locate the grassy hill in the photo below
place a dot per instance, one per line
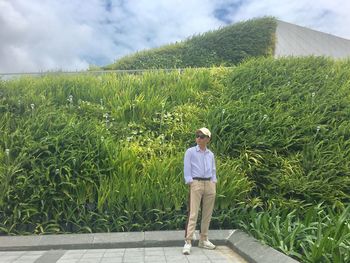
(105, 153)
(226, 47)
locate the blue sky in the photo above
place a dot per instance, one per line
(42, 35)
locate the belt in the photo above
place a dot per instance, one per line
(202, 178)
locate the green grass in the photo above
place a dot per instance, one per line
(226, 46)
(308, 233)
(105, 153)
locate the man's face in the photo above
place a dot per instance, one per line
(201, 139)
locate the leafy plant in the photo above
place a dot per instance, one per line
(104, 153)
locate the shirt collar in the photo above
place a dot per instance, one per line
(198, 149)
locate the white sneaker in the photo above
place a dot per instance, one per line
(206, 244)
(187, 248)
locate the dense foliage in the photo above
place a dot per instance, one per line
(226, 47)
(104, 153)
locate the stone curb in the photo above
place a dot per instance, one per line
(104, 240)
(255, 252)
(248, 247)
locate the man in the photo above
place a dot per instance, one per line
(200, 175)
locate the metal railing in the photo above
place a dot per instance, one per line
(11, 75)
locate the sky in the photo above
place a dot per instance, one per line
(71, 35)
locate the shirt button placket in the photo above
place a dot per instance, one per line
(205, 165)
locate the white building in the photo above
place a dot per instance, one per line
(294, 40)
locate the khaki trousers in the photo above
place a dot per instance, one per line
(200, 191)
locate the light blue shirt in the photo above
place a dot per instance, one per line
(199, 164)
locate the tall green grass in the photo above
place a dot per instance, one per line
(105, 153)
(287, 120)
(308, 233)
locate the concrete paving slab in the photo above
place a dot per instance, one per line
(159, 254)
(50, 256)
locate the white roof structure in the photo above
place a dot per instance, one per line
(294, 40)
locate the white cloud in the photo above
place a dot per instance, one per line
(49, 35)
(41, 35)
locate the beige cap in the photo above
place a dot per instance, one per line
(205, 131)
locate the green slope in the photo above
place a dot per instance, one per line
(105, 153)
(226, 46)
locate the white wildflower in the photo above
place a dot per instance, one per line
(70, 99)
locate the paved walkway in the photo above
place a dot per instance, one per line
(221, 254)
(149, 246)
